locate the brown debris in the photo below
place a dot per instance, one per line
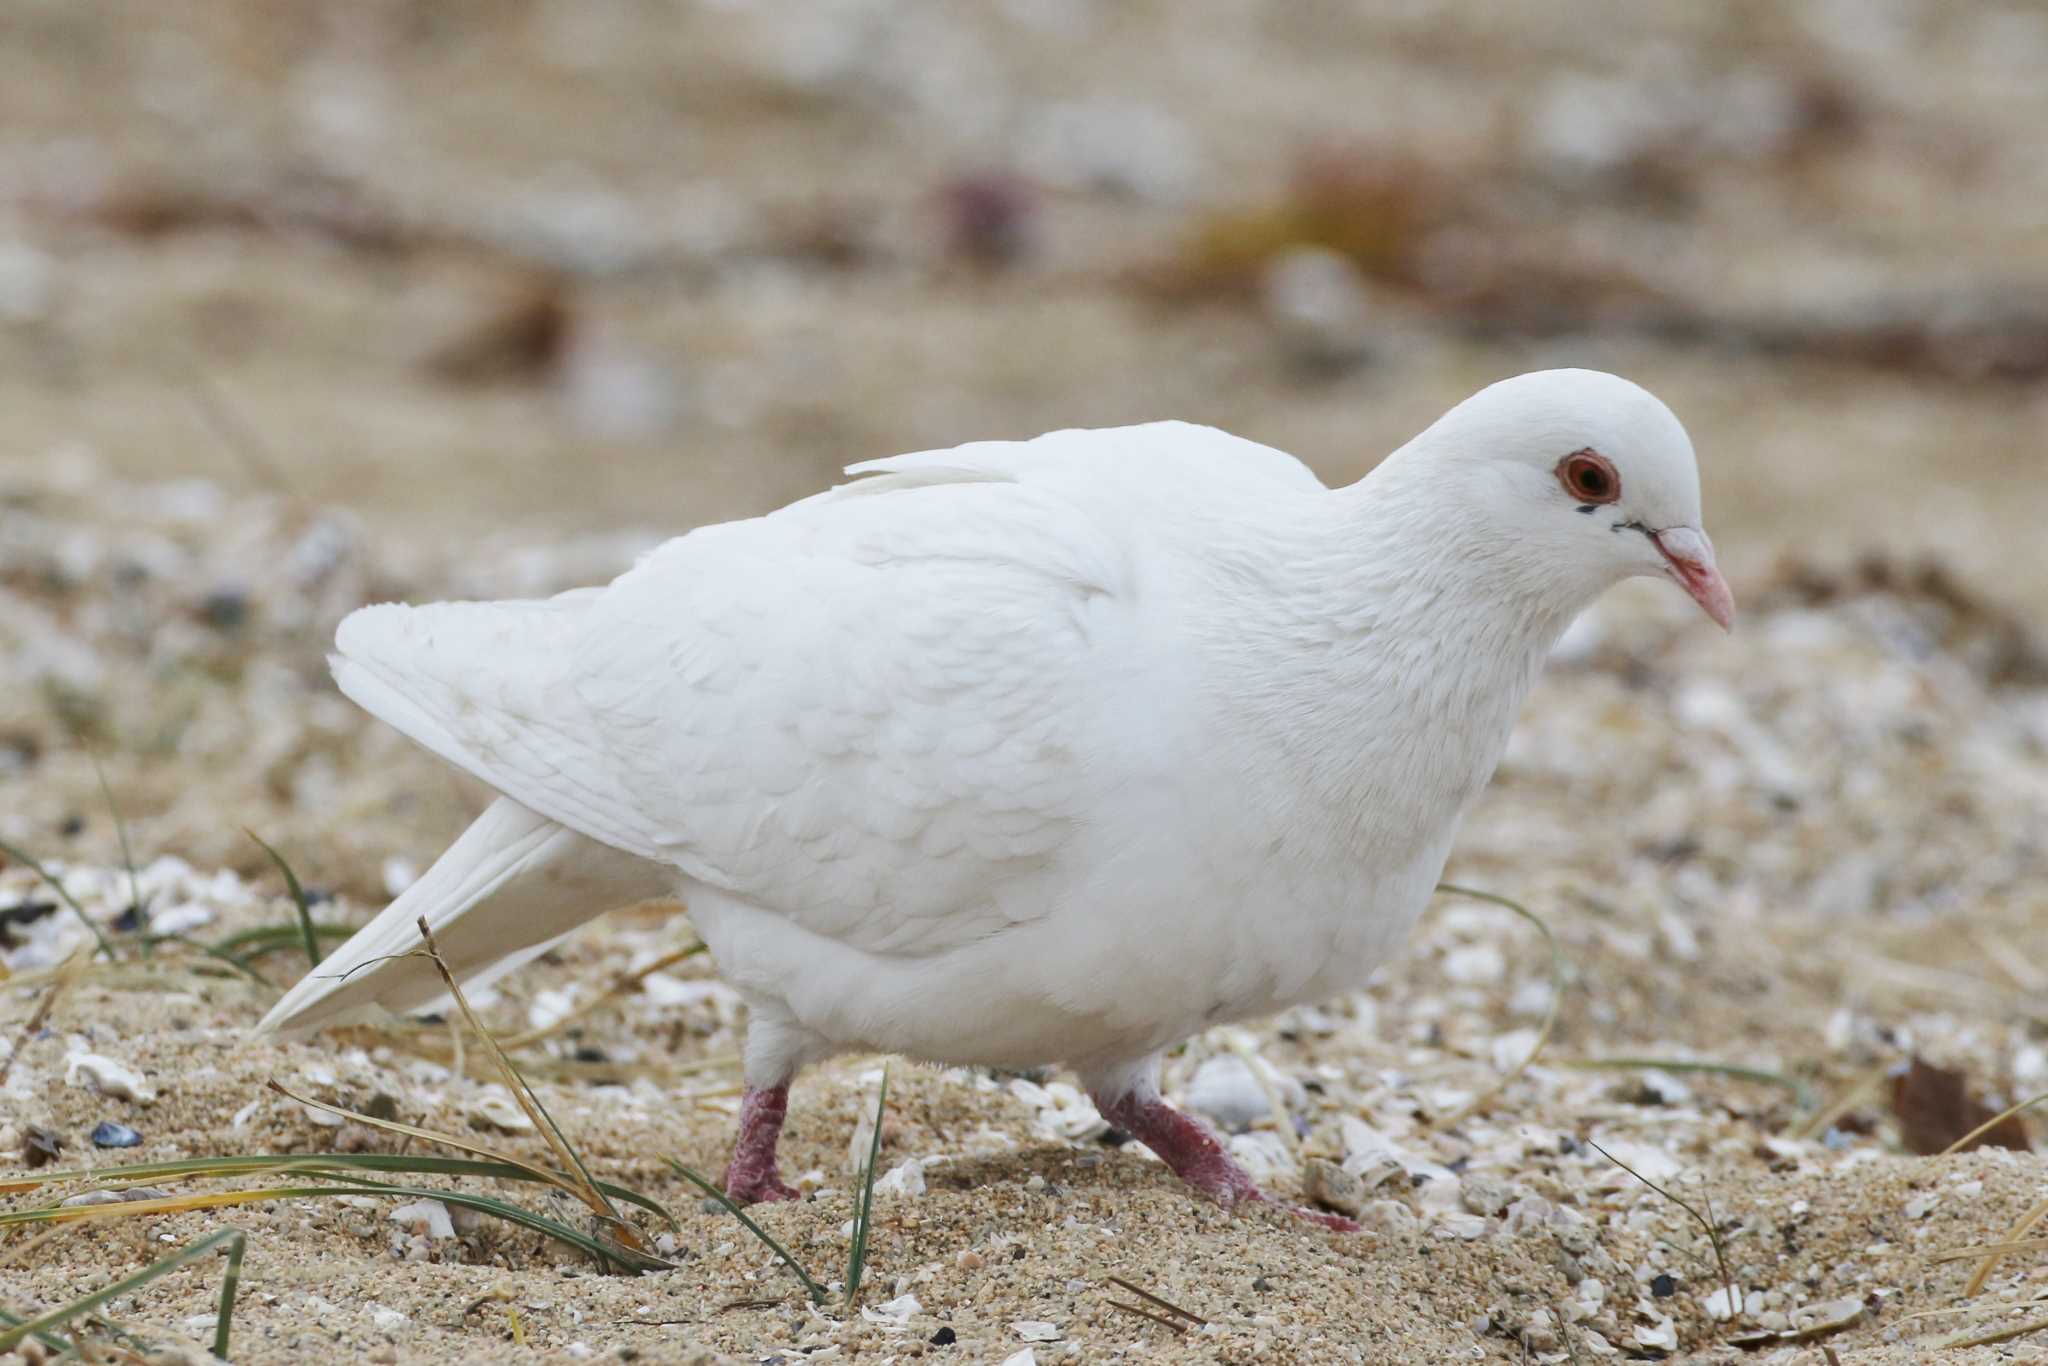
(39, 1147)
(524, 337)
(1377, 209)
(1934, 1109)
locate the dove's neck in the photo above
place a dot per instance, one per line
(1383, 664)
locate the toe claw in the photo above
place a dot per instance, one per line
(760, 1190)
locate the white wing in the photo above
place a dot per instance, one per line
(859, 712)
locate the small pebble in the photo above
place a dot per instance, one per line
(427, 1217)
(1225, 1089)
(108, 1077)
(1465, 1227)
(1828, 1316)
(1661, 1336)
(1330, 1185)
(969, 1260)
(108, 1134)
(1529, 1213)
(1388, 1216)
(496, 1112)
(906, 1179)
(945, 1337)
(1486, 1195)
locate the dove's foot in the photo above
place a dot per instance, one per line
(1193, 1154)
(751, 1177)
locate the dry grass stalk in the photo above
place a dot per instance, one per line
(1160, 1319)
(2018, 1330)
(585, 1187)
(1196, 1319)
(540, 1174)
(2017, 1232)
(2005, 1249)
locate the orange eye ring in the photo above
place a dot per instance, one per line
(1589, 477)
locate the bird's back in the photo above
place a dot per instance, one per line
(880, 712)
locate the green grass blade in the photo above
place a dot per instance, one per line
(811, 1287)
(27, 860)
(461, 1145)
(319, 1164)
(483, 1204)
(49, 1340)
(191, 1252)
(230, 1282)
(264, 939)
(291, 882)
(863, 1218)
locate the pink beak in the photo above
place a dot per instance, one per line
(1689, 556)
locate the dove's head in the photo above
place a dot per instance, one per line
(1582, 479)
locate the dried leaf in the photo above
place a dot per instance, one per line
(1935, 1108)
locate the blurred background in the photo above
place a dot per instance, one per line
(563, 266)
(306, 305)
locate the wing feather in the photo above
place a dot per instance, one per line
(864, 712)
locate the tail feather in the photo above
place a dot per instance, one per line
(513, 884)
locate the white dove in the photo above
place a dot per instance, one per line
(1055, 751)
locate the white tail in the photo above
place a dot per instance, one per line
(540, 881)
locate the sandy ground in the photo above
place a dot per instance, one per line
(1810, 849)
(303, 308)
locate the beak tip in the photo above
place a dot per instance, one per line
(1716, 601)
(1689, 558)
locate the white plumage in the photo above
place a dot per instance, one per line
(1024, 752)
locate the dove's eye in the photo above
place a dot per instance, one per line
(1589, 477)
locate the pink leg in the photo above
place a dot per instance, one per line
(751, 1177)
(1192, 1153)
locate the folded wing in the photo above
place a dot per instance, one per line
(859, 712)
